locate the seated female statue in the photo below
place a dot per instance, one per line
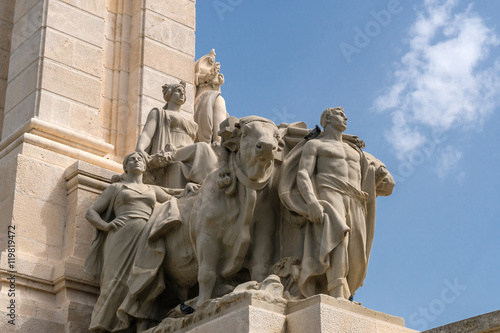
(168, 142)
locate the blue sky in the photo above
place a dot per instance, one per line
(420, 83)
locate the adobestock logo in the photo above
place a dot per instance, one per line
(223, 6)
(420, 319)
(363, 37)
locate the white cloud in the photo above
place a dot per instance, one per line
(443, 82)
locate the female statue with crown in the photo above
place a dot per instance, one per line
(168, 142)
(210, 106)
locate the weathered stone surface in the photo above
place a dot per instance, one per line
(168, 32)
(5, 37)
(61, 87)
(7, 10)
(3, 88)
(63, 111)
(32, 171)
(94, 7)
(26, 323)
(77, 86)
(16, 116)
(253, 311)
(322, 313)
(24, 6)
(25, 55)
(167, 60)
(22, 86)
(147, 104)
(26, 25)
(75, 22)
(486, 323)
(73, 52)
(4, 64)
(181, 11)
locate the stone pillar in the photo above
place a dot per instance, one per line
(77, 80)
(6, 23)
(150, 44)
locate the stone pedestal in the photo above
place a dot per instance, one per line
(251, 312)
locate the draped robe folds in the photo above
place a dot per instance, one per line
(195, 160)
(204, 115)
(147, 276)
(320, 239)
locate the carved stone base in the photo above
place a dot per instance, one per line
(251, 311)
(322, 313)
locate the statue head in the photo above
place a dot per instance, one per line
(134, 158)
(334, 116)
(175, 92)
(207, 72)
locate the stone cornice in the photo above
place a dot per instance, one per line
(60, 140)
(53, 287)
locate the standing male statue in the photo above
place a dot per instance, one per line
(335, 191)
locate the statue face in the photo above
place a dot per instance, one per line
(337, 119)
(135, 163)
(178, 96)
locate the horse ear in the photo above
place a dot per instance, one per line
(228, 127)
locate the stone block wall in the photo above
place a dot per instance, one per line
(77, 80)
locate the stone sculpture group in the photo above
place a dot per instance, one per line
(206, 205)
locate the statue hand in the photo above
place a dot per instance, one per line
(191, 188)
(115, 224)
(380, 174)
(169, 157)
(145, 155)
(160, 160)
(315, 212)
(170, 149)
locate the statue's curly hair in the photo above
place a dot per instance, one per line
(167, 90)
